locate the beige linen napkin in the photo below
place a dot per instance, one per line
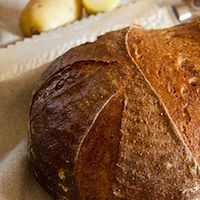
(16, 179)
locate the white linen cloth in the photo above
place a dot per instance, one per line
(9, 17)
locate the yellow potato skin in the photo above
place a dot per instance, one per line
(95, 6)
(43, 15)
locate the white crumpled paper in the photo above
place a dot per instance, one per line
(16, 179)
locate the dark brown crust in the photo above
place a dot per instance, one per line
(106, 49)
(170, 61)
(99, 152)
(96, 115)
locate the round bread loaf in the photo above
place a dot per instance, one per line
(119, 118)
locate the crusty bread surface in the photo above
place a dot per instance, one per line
(119, 118)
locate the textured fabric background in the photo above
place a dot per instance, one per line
(9, 17)
(16, 179)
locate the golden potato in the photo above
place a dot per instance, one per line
(44, 15)
(95, 6)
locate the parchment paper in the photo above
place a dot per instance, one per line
(16, 179)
